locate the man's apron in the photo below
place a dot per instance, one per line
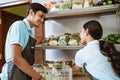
(14, 73)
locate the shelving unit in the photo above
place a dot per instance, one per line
(82, 11)
(77, 12)
(39, 47)
(59, 47)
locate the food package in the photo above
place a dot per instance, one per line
(66, 5)
(49, 5)
(77, 4)
(53, 42)
(75, 39)
(56, 7)
(88, 3)
(62, 39)
(50, 40)
(38, 68)
(58, 71)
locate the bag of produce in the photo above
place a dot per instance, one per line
(77, 4)
(66, 5)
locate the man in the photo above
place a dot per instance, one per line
(20, 44)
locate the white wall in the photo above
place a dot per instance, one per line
(110, 23)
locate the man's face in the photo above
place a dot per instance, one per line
(38, 18)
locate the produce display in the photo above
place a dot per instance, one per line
(77, 4)
(62, 39)
(114, 38)
(55, 70)
(118, 10)
(58, 70)
(56, 5)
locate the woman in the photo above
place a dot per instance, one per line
(100, 58)
(20, 46)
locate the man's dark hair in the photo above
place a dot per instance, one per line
(36, 7)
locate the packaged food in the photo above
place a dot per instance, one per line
(77, 4)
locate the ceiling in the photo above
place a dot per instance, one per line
(17, 10)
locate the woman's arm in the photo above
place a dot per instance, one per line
(75, 70)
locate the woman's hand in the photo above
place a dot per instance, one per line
(75, 70)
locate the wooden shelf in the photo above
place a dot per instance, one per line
(82, 11)
(39, 47)
(59, 47)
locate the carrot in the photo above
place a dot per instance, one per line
(79, 1)
(90, 1)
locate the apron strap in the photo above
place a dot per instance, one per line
(90, 76)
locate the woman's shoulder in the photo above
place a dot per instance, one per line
(82, 51)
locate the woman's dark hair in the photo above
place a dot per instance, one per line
(94, 28)
(36, 7)
(109, 50)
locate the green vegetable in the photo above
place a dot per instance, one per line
(118, 11)
(118, 40)
(37, 65)
(114, 38)
(57, 7)
(76, 37)
(67, 38)
(66, 6)
(104, 3)
(109, 2)
(77, 3)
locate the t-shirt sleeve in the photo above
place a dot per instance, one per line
(17, 33)
(79, 59)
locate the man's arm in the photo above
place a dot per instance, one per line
(21, 63)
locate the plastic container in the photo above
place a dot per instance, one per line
(64, 73)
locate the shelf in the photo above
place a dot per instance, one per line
(82, 11)
(39, 47)
(59, 47)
